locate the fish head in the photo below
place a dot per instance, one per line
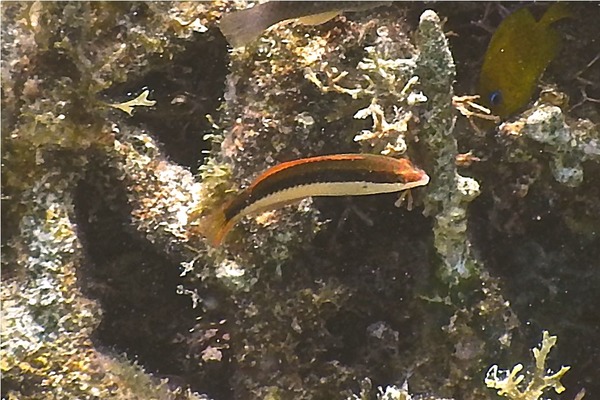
(409, 174)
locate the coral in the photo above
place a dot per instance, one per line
(47, 323)
(449, 193)
(140, 101)
(58, 58)
(103, 263)
(386, 79)
(569, 145)
(510, 384)
(388, 393)
(161, 194)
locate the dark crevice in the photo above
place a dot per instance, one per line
(540, 261)
(186, 89)
(135, 284)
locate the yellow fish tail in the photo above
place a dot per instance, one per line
(214, 227)
(555, 12)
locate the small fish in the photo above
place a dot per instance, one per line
(242, 27)
(519, 52)
(330, 175)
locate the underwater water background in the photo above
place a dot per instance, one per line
(109, 289)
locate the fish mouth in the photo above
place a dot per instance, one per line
(421, 182)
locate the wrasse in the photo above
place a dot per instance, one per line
(242, 27)
(331, 175)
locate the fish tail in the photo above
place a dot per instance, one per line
(214, 227)
(242, 27)
(555, 12)
(318, 19)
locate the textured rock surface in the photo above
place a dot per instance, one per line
(108, 291)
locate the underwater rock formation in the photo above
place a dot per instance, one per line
(109, 290)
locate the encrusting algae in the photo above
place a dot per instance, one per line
(518, 53)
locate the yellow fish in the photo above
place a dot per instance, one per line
(518, 53)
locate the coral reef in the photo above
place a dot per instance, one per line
(58, 59)
(450, 192)
(388, 393)
(47, 323)
(124, 123)
(568, 146)
(510, 384)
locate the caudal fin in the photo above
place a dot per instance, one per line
(555, 12)
(214, 227)
(242, 27)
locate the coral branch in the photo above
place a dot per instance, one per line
(508, 383)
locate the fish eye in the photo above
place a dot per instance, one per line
(495, 98)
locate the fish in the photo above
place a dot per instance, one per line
(328, 175)
(518, 53)
(242, 27)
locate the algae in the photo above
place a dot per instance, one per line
(329, 298)
(511, 385)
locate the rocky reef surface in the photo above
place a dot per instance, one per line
(122, 122)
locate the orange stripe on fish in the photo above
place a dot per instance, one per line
(330, 175)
